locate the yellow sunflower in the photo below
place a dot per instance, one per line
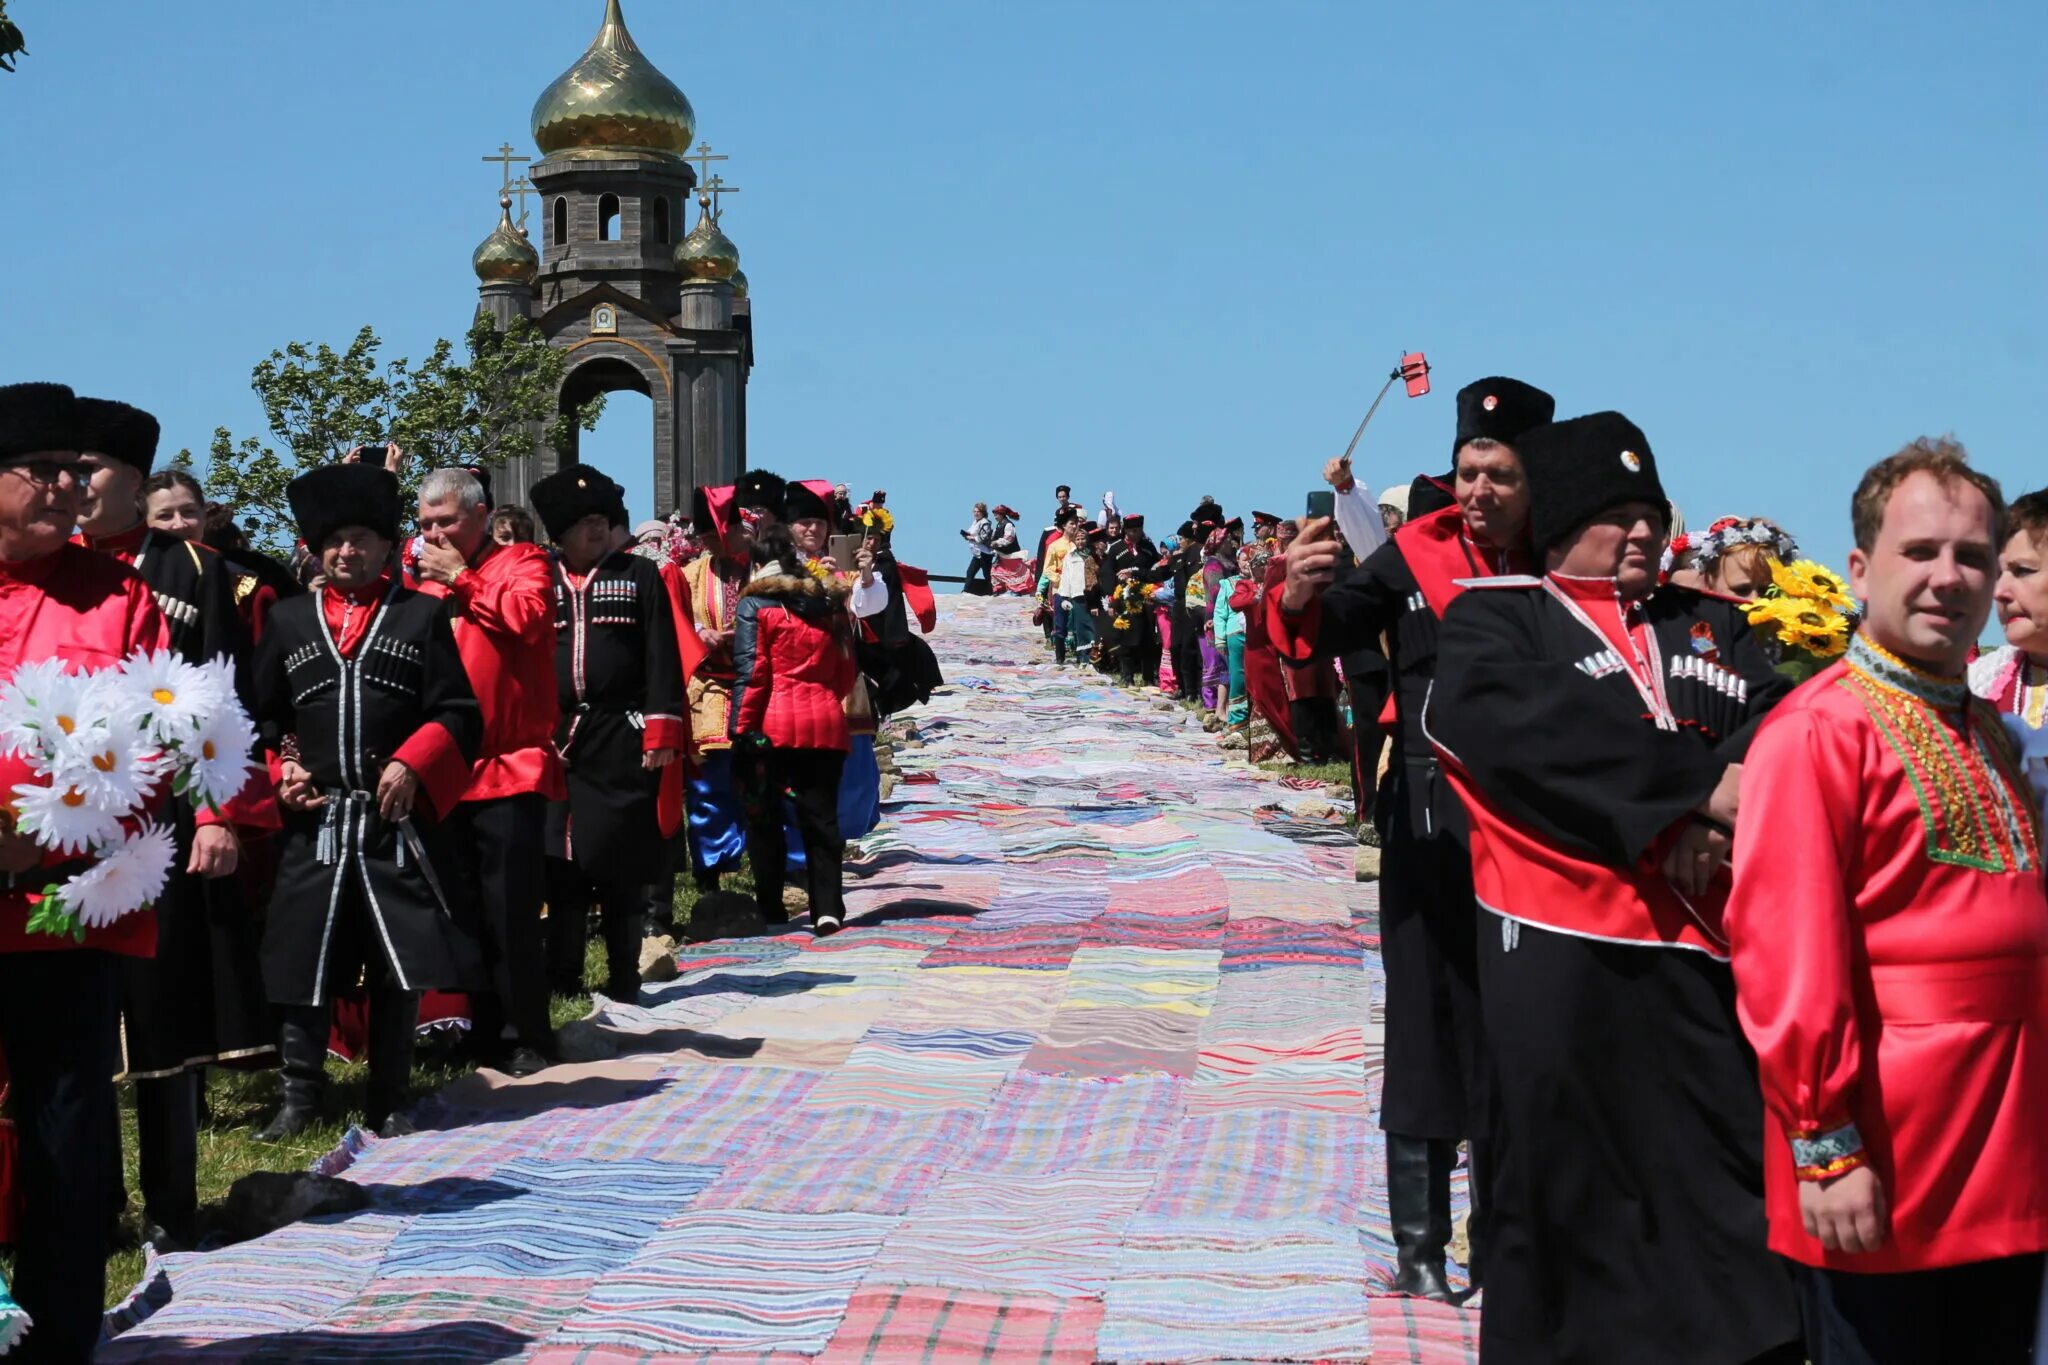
(1816, 582)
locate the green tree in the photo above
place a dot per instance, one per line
(319, 402)
(12, 44)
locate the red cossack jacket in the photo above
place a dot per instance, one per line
(795, 662)
(503, 610)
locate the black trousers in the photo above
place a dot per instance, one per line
(978, 580)
(809, 780)
(1981, 1313)
(1368, 697)
(505, 867)
(1318, 731)
(58, 1014)
(1187, 654)
(622, 906)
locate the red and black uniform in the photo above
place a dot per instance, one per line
(348, 682)
(59, 999)
(1433, 1088)
(1581, 732)
(796, 667)
(619, 693)
(502, 608)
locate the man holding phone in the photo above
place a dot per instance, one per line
(1428, 920)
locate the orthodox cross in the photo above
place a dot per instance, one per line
(522, 187)
(714, 187)
(505, 158)
(703, 160)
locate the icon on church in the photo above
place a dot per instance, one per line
(604, 320)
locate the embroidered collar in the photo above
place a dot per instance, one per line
(1887, 669)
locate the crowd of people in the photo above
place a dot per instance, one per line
(1712, 903)
(470, 742)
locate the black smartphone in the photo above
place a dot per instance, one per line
(1322, 503)
(370, 448)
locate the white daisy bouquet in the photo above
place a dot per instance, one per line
(100, 746)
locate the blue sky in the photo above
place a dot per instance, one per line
(1169, 249)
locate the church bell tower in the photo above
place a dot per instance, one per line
(631, 296)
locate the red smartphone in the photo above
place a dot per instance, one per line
(1415, 370)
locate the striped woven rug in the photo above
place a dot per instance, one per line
(1090, 1075)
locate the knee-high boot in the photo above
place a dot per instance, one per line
(302, 1075)
(1419, 1203)
(167, 1151)
(394, 1019)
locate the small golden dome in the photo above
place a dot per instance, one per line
(738, 281)
(505, 257)
(707, 255)
(613, 102)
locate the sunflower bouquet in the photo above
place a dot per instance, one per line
(1804, 617)
(100, 746)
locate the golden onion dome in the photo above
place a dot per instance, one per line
(505, 257)
(613, 101)
(707, 255)
(738, 281)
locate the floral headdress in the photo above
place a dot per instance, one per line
(1702, 550)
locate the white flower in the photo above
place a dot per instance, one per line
(109, 763)
(40, 705)
(63, 818)
(218, 754)
(167, 695)
(125, 880)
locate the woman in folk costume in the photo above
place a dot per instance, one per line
(2014, 677)
(1011, 571)
(707, 593)
(794, 651)
(807, 511)
(618, 676)
(361, 688)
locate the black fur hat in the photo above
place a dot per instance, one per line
(1431, 493)
(564, 498)
(761, 491)
(1500, 409)
(801, 501)
(339, 495)
(1208, 512)
(1583, 467)
(119, 431)
(36, 417)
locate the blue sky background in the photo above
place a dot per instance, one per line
(1169, 249)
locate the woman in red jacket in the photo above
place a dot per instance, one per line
(795, 661)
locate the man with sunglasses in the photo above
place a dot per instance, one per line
(58, 996)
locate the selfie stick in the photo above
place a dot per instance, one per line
(1398, 374)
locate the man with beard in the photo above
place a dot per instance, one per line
(501, 602)
(200, 999)
(618, 679)
(1435, 1073)
(1594, 729)
(361, 690)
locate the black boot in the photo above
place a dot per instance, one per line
(394, 1021)
(167, 1154)
(1059, 652)
(624, 930)
(302, 1073)
(1419, 1202)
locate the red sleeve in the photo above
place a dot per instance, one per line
(1789, 930)
(254, 807)
(1293, 636)
(1243, 594)
(438, 761)
(516, 598)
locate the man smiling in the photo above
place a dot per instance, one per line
(1891, 953)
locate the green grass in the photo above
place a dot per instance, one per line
(242, 1102)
